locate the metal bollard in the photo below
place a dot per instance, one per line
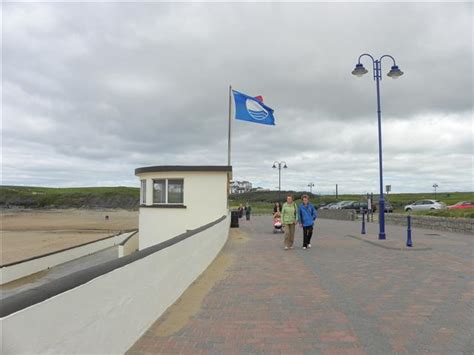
(363, 223)
(409, 242)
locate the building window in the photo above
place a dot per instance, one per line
(143, 192)
(175, 191)
(168, 191)
(159, 191)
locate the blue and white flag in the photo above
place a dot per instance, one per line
(248, 108)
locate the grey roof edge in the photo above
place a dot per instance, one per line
(30, 297)
(187, 168)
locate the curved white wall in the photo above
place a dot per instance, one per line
(109, 313)
(205, 198)
(28, 267)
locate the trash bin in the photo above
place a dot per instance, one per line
(234, 219)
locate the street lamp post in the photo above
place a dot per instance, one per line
(279, 164)
(435, 186)
(394, 73)
(311, 185)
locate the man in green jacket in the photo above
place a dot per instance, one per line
(289, 217)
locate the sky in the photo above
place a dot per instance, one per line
(92, 91)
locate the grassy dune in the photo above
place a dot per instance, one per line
(92, 197)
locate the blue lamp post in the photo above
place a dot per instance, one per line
(394, 73)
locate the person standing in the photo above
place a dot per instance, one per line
(248, 210)
(277, 207)
(289, 216)
(307, 215)
(241, 210)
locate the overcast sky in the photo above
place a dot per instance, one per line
(92, 91)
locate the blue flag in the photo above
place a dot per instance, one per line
(248, 108)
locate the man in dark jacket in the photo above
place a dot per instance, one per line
(248, 210)
(307, 215)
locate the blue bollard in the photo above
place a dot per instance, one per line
(363, 223)
(409, 242)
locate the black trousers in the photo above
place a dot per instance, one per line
(307, 234)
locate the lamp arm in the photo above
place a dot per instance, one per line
(387, 56)
(366, 55)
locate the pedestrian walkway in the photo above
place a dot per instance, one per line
(343, 296)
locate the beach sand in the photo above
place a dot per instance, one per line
(28, 233)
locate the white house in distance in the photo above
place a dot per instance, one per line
(239, 187)
(174, 199)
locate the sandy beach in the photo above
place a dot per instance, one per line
(28, 233)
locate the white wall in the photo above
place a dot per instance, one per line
(205, 198)
(129, 247)
(109, 313)
(29, 267)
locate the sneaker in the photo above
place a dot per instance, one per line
(309, 246)
(291, 247)
(286, 248)
(304, 247)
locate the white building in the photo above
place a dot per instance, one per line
(239, 187)
(174, 199)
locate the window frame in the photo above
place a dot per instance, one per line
(167, 203)
(143, 185)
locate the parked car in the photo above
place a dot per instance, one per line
(334, 205)
(359, 205)
(423, 205)
(462, 204)
(388, 207)
(326, 207)
(354, 205)
(339, 205)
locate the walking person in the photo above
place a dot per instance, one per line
(277, 207)
(241, 210)
(248, 210)
(307, 215)
(289, 216)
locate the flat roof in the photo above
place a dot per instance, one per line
(172, 168)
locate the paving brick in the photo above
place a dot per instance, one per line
(343, 296)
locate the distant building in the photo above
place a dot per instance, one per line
(239, 187)
(260, 189)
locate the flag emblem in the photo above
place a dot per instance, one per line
(256, 110)
(252, 109)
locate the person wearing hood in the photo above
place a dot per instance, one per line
(307, 215)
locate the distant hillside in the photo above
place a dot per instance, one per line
(128, 197)
(81, 197)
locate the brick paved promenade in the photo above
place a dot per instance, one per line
(344, 296)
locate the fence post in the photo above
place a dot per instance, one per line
(409, 242)
(363, 223)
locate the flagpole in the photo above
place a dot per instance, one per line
(230, 126)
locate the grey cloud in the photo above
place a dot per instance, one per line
(121, 85)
